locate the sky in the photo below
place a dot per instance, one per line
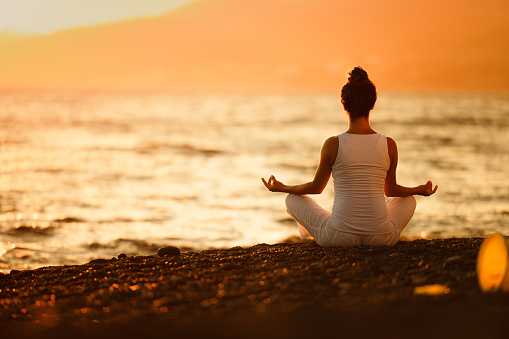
(48, 16)
(261, 45)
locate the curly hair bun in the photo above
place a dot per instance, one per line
(358, 77)
(358, 95)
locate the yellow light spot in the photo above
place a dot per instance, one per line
(492, 263)
(208, 302)
(20, 216)
(435, 289)
(423, 234)
(113, 287)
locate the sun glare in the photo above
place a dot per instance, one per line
(48, 16)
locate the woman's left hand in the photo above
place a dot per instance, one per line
(273, 185)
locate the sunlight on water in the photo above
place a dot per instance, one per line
(87, 175)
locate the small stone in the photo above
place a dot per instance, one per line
(122, 256)
(168, 250)
(452, 260)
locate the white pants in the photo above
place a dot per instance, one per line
(312, 221)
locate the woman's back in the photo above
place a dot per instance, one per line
(359, 174)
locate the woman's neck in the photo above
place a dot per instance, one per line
(360, 126)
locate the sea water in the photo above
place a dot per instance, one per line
(91, 175)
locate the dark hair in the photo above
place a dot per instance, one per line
(358, 95)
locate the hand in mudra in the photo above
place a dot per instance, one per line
(273, 185)
(427, 189)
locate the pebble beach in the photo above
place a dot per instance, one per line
(420, 288)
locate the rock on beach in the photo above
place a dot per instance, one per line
(168, 250)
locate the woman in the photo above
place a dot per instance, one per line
(363, 167)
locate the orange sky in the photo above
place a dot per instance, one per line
(276, 45)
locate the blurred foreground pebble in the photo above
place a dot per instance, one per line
(492, 264)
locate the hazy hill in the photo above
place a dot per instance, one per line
(267, 45)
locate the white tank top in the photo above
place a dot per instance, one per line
(359, 175)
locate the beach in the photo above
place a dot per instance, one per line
(420, 288)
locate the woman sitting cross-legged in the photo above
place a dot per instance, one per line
(363, 166)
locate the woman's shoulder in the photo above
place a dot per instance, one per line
(330, 148)
(331, 143)
(332, 140)
(392, 148)
(390, 142)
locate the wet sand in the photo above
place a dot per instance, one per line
(287, 290)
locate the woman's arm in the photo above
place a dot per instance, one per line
(327, 158)
(392, 189)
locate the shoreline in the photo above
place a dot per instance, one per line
(292, 289)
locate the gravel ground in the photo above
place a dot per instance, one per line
(418, 289)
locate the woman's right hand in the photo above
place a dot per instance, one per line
(427, 189)
(273, 185)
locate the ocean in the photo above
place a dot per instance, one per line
(89, 175)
